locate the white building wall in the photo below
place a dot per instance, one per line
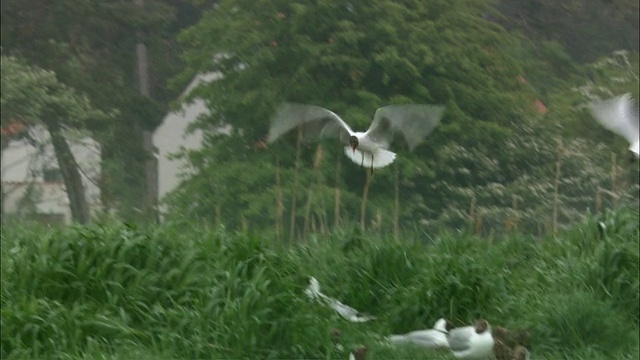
(170, 138)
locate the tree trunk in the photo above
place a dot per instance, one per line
(70, 173)
(2, 203)
(151, 163)
(5, 144)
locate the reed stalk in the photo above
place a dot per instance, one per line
(296, 175)
(556, 187)
(336, 206)
(396, 206)
(363, 205)
(472, 212)
(307, 211)
(279, 203)
(614, 179)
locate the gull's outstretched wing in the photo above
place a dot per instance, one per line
(413, 121)
(316, 122)
(347, 312)
(619, 115)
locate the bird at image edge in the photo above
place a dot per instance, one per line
(620, 116)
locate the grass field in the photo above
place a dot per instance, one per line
(115, 292)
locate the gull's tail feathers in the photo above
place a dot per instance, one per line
(635, 148)
(381, 158)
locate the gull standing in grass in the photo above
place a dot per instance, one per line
(472, 342)
(620, 115)
(347, 312)
(435, 338)
(414, 122)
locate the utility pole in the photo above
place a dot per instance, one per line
(151, 162)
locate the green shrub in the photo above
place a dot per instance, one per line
(569, 322)
(118, 292)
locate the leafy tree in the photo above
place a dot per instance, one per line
(90, 45)
(588, 29)
(351, 57)
(35, 96)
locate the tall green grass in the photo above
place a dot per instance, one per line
(117, 292)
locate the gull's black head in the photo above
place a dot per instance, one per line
(449, 326)
(353, 142)
(482, 326)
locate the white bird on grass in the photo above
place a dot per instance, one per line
(435, 338)
(620, 115)
(368, 148)
(472, 342)
(347, 312)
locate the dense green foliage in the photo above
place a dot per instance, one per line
(487, 61)
(494, 163)
(476, 206)
(118, 292)
(30, 92)
(33, 97)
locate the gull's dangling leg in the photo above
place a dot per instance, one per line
(371, 164)
(362, 162)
